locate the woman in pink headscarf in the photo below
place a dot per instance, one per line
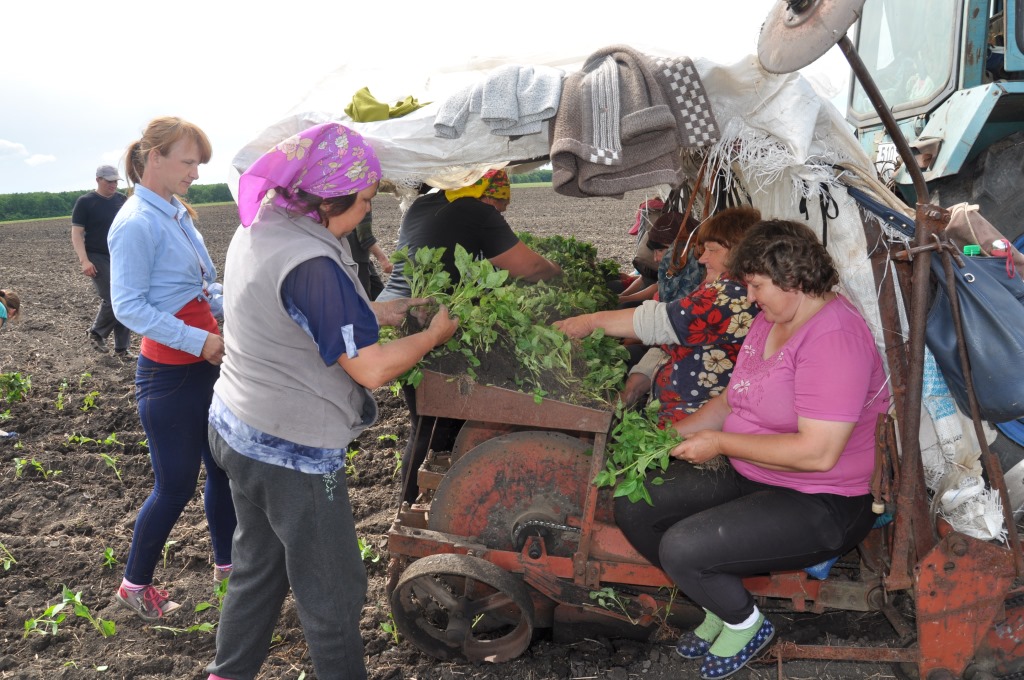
(301, 356)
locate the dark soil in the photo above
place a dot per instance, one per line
(57, 526)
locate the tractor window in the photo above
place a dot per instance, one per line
(909, 47)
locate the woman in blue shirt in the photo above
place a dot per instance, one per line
(162, 287)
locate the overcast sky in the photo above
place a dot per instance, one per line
(79, 80)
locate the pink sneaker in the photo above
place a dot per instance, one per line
(149, 603)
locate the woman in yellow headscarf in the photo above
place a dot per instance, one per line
(470, 217)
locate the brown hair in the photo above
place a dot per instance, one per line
(789, 253)
(303, 202)
(160, 135)
(728, 227)
(10, 300)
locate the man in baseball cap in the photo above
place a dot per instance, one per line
(90, 221)
(109, 173)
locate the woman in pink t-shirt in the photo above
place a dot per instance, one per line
(797, 427)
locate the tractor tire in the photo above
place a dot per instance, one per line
(995, 181)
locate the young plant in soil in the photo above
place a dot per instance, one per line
(59, 403)
(109, 560)
(20, 464)
(218, 597)
(111, 463)
(366, 552)
(637, 446)
(7, 558)
(14, 386)
(89, 401)
(48, 623)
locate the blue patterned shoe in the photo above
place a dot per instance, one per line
(716, 667)
(692, 646)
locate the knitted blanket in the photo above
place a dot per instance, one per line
(512, 100)
(617, 130)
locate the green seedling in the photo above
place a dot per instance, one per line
(609, 599)
(398, 464)
(499, 314)
(393, 438)
(350, 468)
(7, 557)
(5, 415)
(366, 551)
(144, 443)
(82, 378)
(19, 446)
(109, 560)
(111, 462)
(637, 446)
(80, 439)
(14, 386)
(49, 622)
(60, 395)
(20, 464)
(218, 594)
(89, 401)
(206, 627)
(389, 628)
(167, 550)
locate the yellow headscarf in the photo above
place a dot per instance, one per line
(494, 183)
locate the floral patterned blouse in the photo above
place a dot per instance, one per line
(710, 323)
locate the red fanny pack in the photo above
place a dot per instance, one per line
(196, 314)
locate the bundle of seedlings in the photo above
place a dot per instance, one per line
(505, 337)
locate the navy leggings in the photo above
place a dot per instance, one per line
(710, 529)
(174, 402)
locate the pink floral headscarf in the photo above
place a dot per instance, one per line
(327, 160)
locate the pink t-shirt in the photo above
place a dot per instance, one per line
(829, 370)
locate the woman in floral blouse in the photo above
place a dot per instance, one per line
(699, 335)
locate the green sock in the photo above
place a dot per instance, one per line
(710, 627)
(731, 641)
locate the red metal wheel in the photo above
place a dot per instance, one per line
(463, 607)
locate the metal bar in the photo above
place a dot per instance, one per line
(790, 650)
(460, 397)
(581, 560)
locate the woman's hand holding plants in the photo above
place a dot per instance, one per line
(699, 447)
(392, 312)
(576, 326)
(442, 326)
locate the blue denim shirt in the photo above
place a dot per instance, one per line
(158, 264)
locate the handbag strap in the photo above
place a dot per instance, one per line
(678, 254)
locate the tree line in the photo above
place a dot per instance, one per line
(44, 204)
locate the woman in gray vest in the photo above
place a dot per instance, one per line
(301, 356)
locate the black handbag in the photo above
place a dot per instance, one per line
(992, 310)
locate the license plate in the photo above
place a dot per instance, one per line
(885, 160)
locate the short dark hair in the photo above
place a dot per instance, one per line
(789, 253)
(303, 202)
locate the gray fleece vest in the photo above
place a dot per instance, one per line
(272, 377)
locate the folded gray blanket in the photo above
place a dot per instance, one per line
(512, 100)
(647, 129)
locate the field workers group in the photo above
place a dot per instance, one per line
(743, 361)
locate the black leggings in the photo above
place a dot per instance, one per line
(710, 529)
